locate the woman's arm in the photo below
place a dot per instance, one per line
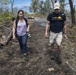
(14, 27)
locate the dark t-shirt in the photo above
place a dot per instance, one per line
(56, 21)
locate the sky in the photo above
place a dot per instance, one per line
(20, 3)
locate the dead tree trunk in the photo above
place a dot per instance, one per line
(72, 11)
(53, 1)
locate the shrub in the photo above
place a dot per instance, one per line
(5, 17)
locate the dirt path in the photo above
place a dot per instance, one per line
(12, 63)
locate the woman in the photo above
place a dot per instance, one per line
(20, 30)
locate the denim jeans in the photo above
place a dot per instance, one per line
(23, 43)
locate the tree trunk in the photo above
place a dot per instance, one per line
(62, 4)
(53, 1)
(72, 11)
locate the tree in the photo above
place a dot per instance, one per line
(34, 5)
(53, 1)
(12, 3)
(48, 6)
(41, 6)
(62, 4)
(0, 7)
(4, 5)
(72, 11)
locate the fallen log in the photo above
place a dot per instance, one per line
(5, 39)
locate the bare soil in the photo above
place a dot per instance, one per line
(13, 63)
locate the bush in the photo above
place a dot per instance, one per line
(5, 17)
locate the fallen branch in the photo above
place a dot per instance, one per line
(70, 66)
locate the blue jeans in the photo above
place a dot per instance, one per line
(23, 43)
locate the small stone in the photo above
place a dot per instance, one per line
(44, 49)
(50, 69)
(4, 37)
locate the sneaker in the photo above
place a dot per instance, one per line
(26, 56)
(57, 55)
(58, 60)
(52, 57)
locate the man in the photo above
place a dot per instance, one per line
(56, 25)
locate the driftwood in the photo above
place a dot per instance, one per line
(5, 39)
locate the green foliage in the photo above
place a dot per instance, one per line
(5, 17)
(34, 5)
(5, 1)
(36, 15)
(40, 6)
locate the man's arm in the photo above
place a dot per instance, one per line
(64, 28)
(47, 29)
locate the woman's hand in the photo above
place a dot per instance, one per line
(27, 30)
(14, 37)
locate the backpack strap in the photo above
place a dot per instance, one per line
(26, 22)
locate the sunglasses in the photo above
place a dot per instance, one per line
(56, 9)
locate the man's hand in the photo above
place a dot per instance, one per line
(65, 36)
(46, 35)
(47, 29)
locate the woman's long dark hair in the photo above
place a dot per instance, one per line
(18, 14)
(17, 19)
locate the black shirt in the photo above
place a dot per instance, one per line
(56, 21)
